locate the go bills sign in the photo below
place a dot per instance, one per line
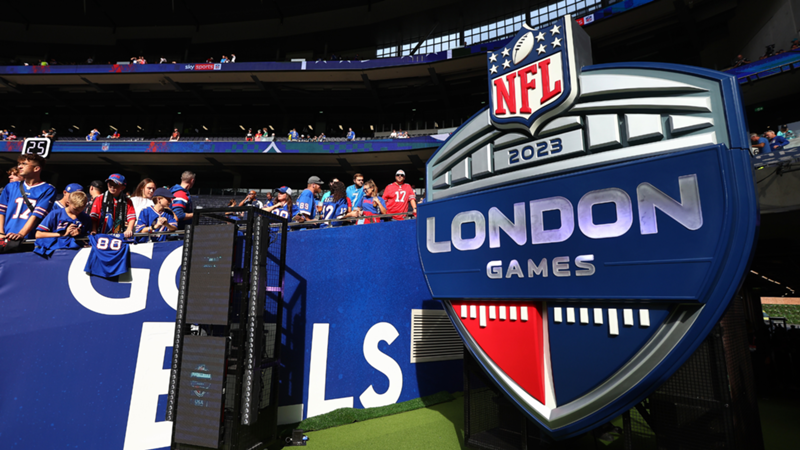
(587, 230)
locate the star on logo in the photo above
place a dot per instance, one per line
(506, 64)
(505, 52)
(541, 49)
(540, 37)
(493, 69)
(556, 42)
(493, 58)
(555, 30)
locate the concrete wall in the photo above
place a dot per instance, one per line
(758, 24)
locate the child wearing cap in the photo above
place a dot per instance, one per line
(158, 217)
(72, 187)
(112, 212)
(69, 221)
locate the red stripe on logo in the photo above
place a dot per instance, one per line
(516, 346)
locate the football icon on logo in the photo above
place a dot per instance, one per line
(523, 47)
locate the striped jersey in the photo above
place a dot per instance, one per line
(16, 211)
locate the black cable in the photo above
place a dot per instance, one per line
(768, 176)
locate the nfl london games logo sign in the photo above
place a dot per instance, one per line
(587, 230)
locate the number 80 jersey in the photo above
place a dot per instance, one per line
(109, 257)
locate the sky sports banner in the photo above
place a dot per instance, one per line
(263, 66)
(86, 359)
(588, 229)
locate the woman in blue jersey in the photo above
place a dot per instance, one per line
(371, 203)
(337, 205)
(284, 206)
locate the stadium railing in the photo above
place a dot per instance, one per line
(293, 226)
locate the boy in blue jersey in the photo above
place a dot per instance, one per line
(60, 228)
(70, 221)
(351, 134)
(158, 217)
(306, 202)
(182, 204)
(23, 204)
(283, 205)
(62, 203)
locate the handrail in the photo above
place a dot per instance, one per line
(309, 224)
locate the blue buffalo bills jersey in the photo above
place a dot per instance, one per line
(148, 217)
(307, 204)
(367, 204)
(284, 212)
(332, 209)
(16, 211)
(109, 256)
(47, 246)
(181, 205)
(58, 221)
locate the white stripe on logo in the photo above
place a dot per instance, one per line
(613, 327)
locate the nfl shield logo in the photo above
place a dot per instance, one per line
(587, 230)
(532, 76)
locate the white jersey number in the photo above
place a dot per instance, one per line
(22, 211)
(105, 243)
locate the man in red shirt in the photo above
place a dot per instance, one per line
(398, 195)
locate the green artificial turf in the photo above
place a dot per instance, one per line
(780, 415)
(791, 312)
(437, 427)
(344, 416)
(441, 426)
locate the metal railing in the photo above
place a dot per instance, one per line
(309, 224)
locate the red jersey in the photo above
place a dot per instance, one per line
(106, 218)
(397, 198)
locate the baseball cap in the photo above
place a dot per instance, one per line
(315, 180)
(116, 178)
(400, 172)
(163, 192)
(98, 184)
(285, 190)
(73, 187)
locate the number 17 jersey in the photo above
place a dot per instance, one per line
(397, 198)
(13, 206)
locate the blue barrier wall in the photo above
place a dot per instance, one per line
(85, 360)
